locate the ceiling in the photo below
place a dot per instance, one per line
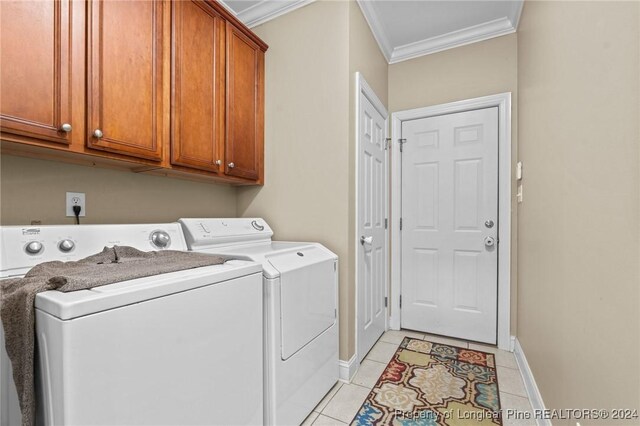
(408, 29)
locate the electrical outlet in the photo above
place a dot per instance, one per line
(76, 199)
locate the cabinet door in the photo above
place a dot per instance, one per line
(125, 77)
(35, 76)
(197, 119)
(245, 106)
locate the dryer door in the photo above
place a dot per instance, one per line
(307, 296)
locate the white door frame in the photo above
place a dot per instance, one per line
(503, 102)
(362, 87)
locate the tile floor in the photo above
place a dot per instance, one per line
(340, 405)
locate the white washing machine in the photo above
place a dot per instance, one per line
(301, 321)
(182, 348)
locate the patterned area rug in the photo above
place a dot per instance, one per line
(433, 384)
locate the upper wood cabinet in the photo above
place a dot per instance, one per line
(174, 87)
(125, 77)
(245, 106)
(36, 72)
(198, 86)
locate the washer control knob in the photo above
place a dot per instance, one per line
(66, 246)
(34, 247)
(160, 239)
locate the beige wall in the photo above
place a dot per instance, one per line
(306, 136)
(479, 69)
(35, 190)
(579, 286)
(309, 133)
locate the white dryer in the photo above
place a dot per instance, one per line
(300, 307)
(181, 348)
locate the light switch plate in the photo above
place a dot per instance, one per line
(73, 199)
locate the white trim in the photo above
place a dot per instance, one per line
(362, 87)
(226, 6)
(463, 36)
(530, 384)
(517, 13)
(503, 102)
(458, 38)
(348, 369)
(265, 11)
(376, 28)
(394, 221)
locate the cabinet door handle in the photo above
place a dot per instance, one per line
(66, 127)
(218, 163)
(97, 133)
(231, 165)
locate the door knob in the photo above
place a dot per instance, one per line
(97, 133)
(489, 223)
(231, 165)
(489, 241)
(366, 240)
(66, 127)
(218, 163)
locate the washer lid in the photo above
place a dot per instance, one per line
(75, 304)
(307, 295)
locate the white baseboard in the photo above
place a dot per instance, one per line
(348, 369)
(529, 383)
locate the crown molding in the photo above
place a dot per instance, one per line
(376, 28)
(473, 34)
(462, 37)
(227, 8)
(517, 13)
(267, 10)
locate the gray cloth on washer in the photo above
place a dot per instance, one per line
(112, 265)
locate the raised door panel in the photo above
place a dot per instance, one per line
(245, 106)
(125, 77)
(197, 125)
(35, 76)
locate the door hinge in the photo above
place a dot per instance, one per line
(385, 301)
(401, 224)
(401, 301)
(402, 142)
(386, 223)
(387, 143)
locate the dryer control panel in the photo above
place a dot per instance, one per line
(212, 232)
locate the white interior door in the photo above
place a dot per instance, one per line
(372, 213)
(450, 225)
